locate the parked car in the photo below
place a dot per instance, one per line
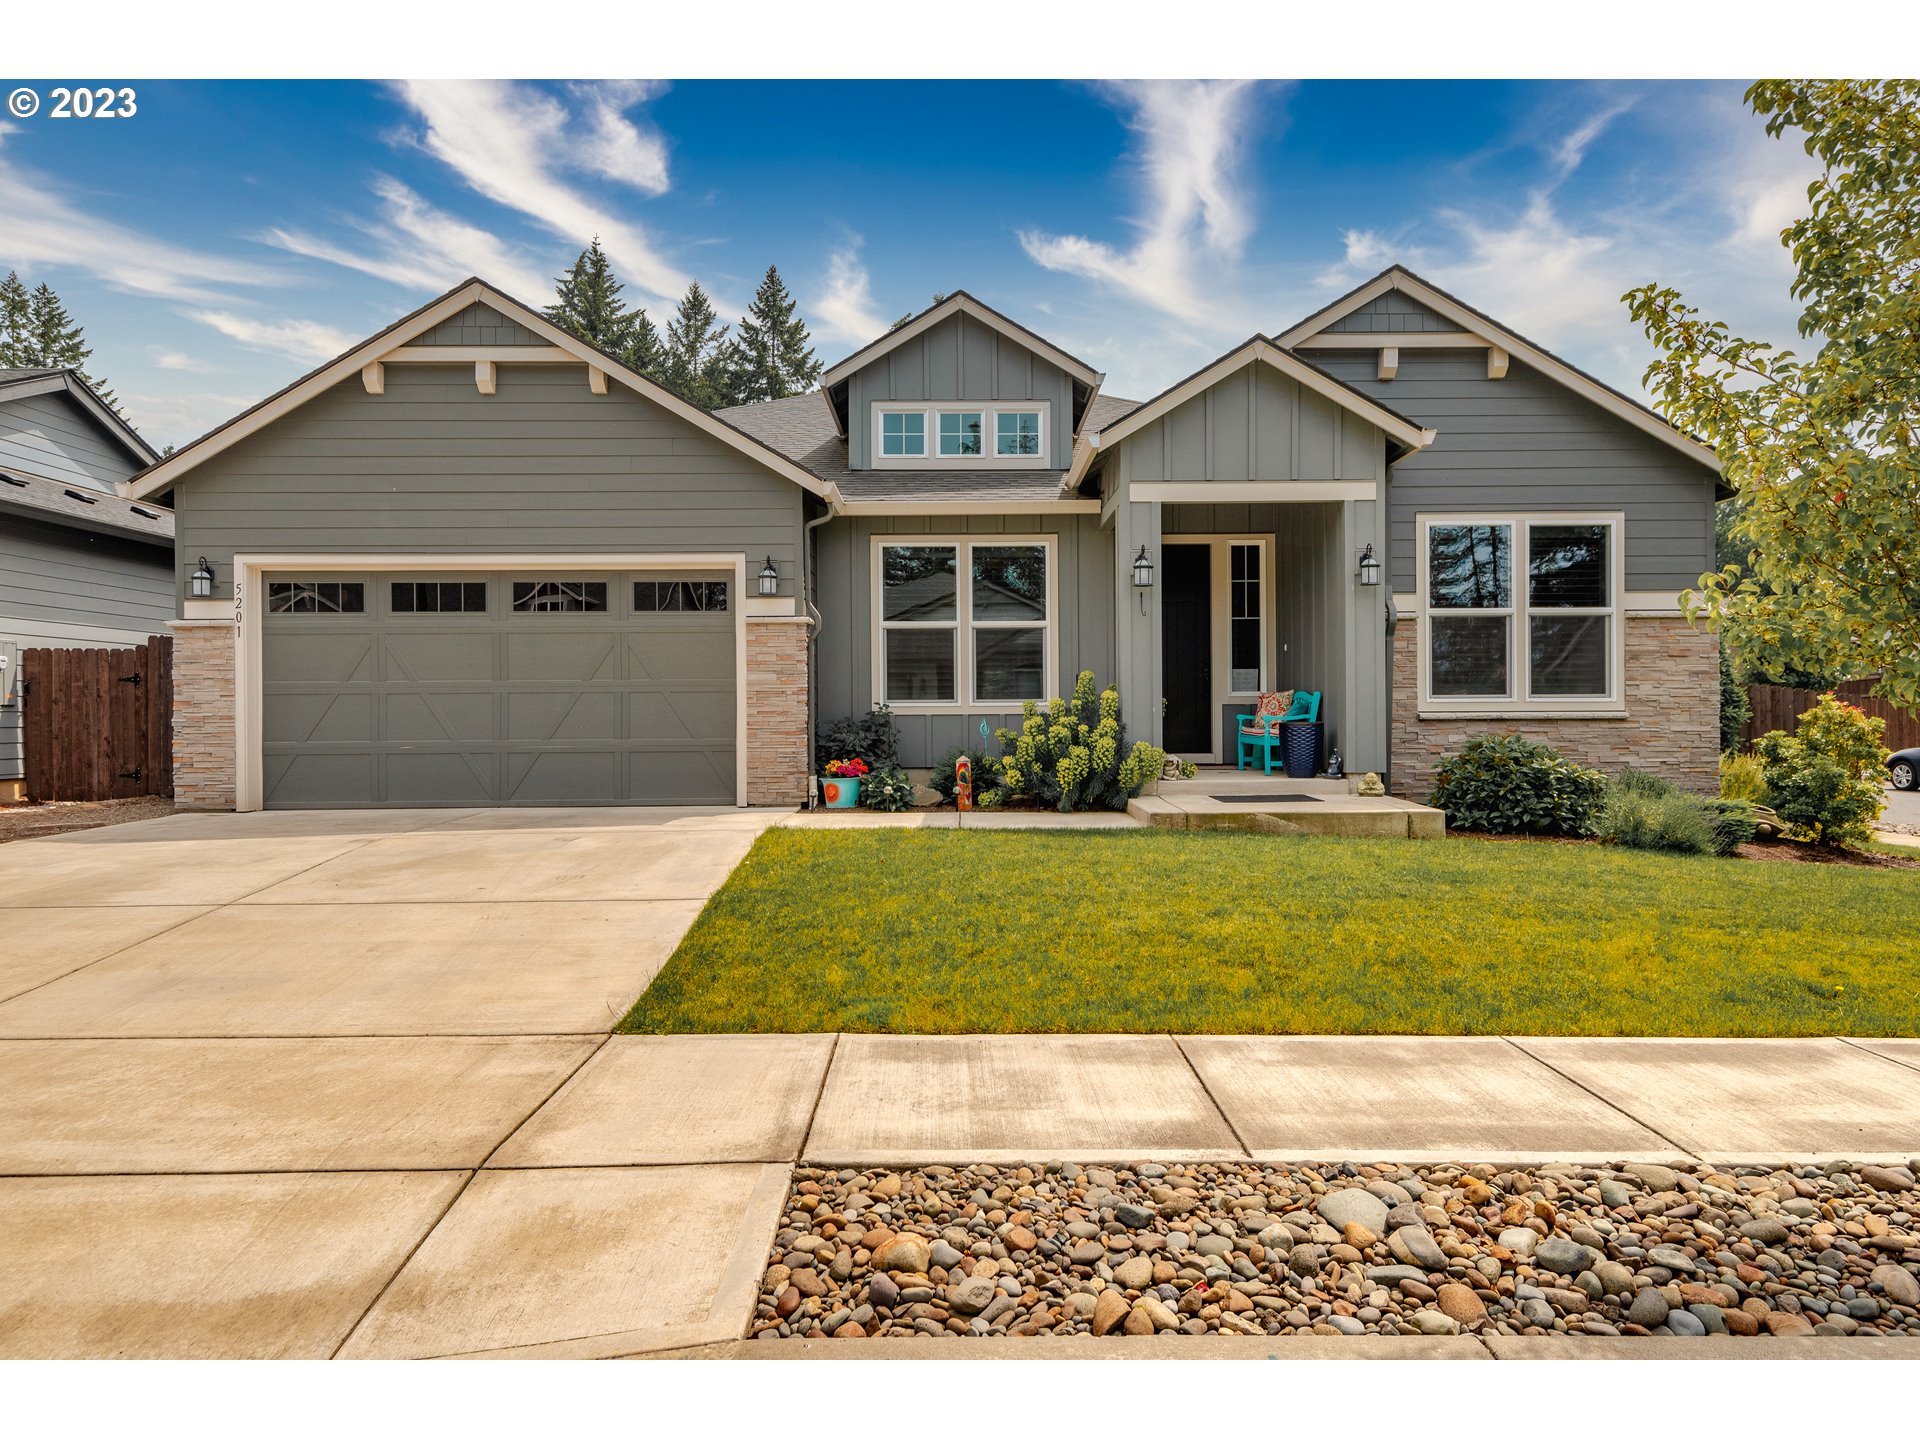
(1903, 768)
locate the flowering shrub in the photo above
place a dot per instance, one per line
(847, 769)
(872, 737)
(1068, 756)
(1825, 778)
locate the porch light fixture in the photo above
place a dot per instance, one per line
(1369, 567)
(769, 578)
(1143, 576)
(201, 581)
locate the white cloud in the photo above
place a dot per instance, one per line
(617, 148)
(845, 310)
(1367, 253)
(176, 360)
(43, 229)
(1573, 147)
(175, 419)
(299, 339)
(513, 144)
(1194, 214)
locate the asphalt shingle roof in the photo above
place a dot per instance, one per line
(45, 498)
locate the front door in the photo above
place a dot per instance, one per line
(1186, 665)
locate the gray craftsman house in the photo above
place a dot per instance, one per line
(81, 565)
(475, 561)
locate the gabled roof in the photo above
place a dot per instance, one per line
(315, 382)
(18, 384)
(1485, 327)
(960, 303)
(80, 507)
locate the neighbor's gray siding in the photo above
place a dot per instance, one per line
(65, 588)
(434, 466)
(1526, 442)
(50, 435)
(1255, 424)
(479, 325)
(843, 673)
(959, 359)
(1395, 313)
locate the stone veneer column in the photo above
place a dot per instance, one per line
(1672, 726)
(203, 714)
(779, 752)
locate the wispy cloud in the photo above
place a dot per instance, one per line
(177, 360)
(1367, 251)
(845, 309)
(1572, 147)
(43, 228)
(1194, 212)
(299, 339)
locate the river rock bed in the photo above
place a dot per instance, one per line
(1343, 1249)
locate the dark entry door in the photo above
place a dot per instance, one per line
(1186, 664)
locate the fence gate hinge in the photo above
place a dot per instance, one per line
(133, 679)
(133, 774)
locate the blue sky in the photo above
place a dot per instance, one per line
(234, 234)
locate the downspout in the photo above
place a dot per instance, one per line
(814, 624)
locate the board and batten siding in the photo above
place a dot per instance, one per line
(65, 588)
(50, 435)
(1527, 443)
(433, 465)
(959, 359)
(843, 573)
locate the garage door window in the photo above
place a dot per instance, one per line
(672, 597)
(316, 597)
(561, 596)
(440, 597)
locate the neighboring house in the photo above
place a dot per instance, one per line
(81, 565)
(475, 561)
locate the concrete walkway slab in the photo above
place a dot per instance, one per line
(201, 825)
(1422, 1100)
(1903, 1052)
(672, 818)
(202, 1266)
(1760, 1100)
(61, 870)
(533, 968)
(448, 865)
(932, 1099)
(679, 1100)
(47, 944)
(583, 1263)
(76, 1107)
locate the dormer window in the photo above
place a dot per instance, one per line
(912, 435)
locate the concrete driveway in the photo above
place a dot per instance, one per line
(252, 1067)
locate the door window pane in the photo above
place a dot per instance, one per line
(1568, 655)
(961, 432)
(571, 596)
(1470, 567)
(1567, 565)
(439, 597)
(1017, 432)
(918, 582)
(1009, 582)
(1244, 626)
(655, 597)
(903, 432)
(316, 597)
(919, 664)
(1009, 664)
(1469, 655)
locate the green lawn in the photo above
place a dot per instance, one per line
(945, 932)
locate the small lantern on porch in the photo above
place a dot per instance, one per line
(1143, 570)
(769, 578)
(1369, 566)
(200, 583)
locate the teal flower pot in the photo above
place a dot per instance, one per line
(840, 793)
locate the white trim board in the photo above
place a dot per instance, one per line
(250, 570)
(1220, 628)
(959, 303)
(930, 457)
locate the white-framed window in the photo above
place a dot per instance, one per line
(962, 623)
(973, 435)
(1246, 619)
(1522, 611)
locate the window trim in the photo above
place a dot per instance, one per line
(963, 626)
(1519, 700)
(989, 413)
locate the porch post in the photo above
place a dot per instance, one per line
(1137, 635)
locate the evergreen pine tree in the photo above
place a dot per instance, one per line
(774, 358)
(644, 351)
(39, 332)
(15, 310)
(588, 303)
(699, 359)
(938, 296)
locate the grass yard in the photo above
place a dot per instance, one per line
(945, 932)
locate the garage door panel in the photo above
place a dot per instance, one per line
(679, 715)
(419, 718)
(318, 778)
(336, 657)
(682, 777)
(681, 655)
(562, 777)
(447, 656)
(306, 716)
(558, 655)
(438, 777)
(563, 715)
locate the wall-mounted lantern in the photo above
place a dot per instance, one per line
(200, 583)
(1143, 576)
(1369, 566)
(769, 578)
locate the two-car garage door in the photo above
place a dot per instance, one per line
(535, 688)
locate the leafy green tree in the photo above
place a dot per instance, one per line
(774, 359)
(1826, 779)
(698, 365)
(1823, 452)
(588, 305)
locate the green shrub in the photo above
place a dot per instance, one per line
(1741, 778)
(1640, 782)
(1735, 708)
(1072, 756)
(1734, 823)
(1505, 785)
(872, 737)
(1825, 779)
(1638, 820)
(888, 789)
(986, 773)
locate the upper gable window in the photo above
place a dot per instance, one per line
(928, 435)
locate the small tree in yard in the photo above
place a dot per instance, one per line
(1825, 780)
(1823, 452)
(774, 358)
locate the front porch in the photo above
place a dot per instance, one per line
(1223, 798)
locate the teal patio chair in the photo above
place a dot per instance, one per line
(1261, 730)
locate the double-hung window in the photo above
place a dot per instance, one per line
(1522, 611)
(963, 622)
(931, 434)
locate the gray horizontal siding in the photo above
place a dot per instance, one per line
(51, 435)
(434, 466)
(1393, 313)
(1526, 442)
(959, 359)
(480, 325)
(843, 675)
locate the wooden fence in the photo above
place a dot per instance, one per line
(1777, 707)
(99, 723)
